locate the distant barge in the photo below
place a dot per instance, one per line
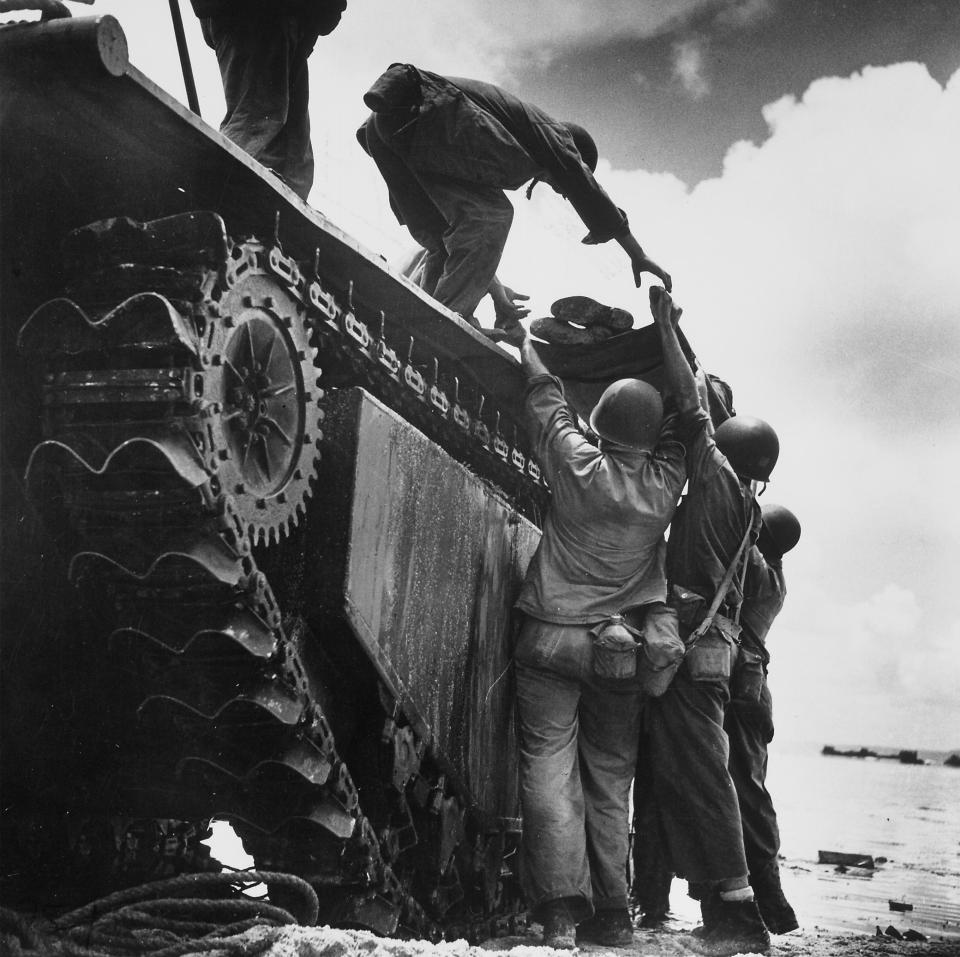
(904, 757)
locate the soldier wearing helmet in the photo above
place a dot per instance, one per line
(694, 796)
(749, 718)
(601, 556)
(447, 148)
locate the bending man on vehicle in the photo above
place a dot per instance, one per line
(447, 148)
(696, 800)
(601, 555)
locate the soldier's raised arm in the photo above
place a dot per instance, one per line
(680, 380)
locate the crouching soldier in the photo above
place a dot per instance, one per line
(447, 148)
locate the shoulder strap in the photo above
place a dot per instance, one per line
(701, 629)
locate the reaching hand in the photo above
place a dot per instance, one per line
(662, 307)
(505, 306)
(642, 263)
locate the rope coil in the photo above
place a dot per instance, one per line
(166, 918)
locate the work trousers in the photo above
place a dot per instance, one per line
(578, 748)
(697, 806)
(263, 64)
(749, 726)
(462, 225)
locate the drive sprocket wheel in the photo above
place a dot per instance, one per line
(264, 423)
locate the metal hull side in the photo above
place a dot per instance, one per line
(433, 565)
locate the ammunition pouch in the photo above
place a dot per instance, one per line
(748, 674)
(711, 656)
(615, 649)
(641, 647)
(662, 651)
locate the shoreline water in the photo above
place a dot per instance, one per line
(907, 817)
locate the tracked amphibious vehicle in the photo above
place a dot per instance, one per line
(265, 510)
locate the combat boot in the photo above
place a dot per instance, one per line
(739, 929)
(559, 930)
(611, 928)
(710, 912)
(651, 895)
(775, 909)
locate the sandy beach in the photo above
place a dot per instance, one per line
(326, 942)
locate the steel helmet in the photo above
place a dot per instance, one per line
(750, 445)
(585, 144)
(629, 413)
(779, 532)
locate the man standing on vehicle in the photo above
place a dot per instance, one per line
(447, 148)
(262, 48)
(601, 554)
(688, 748)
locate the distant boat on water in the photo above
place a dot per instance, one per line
(953, 761)
(859, 753)
(904, 756)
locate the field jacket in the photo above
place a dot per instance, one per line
(476, 132)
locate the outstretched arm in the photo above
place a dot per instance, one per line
(641, 262)
(681, 382)
(530, 362)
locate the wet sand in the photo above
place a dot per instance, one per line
(325, 942)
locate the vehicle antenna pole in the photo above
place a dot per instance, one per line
(191, 87)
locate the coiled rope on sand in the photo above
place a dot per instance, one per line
(189, 914)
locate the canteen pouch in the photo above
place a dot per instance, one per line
(662, 649)
(711, 656)
(747, 676)
(614, 649)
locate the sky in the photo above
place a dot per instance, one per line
(795, 167)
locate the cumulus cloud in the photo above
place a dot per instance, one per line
(688, 68)
(816, 276)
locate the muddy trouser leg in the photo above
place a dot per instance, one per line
(609, 736)
(749, 725)
(410, 202)
(554, 849)
(254, 54)
(295, 150)
(479, 219)
(694, 792)
(652, 868)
